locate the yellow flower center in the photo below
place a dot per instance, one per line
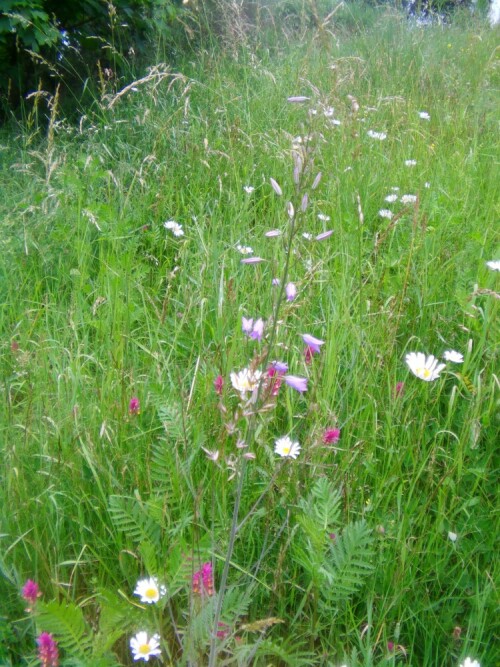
(151, 593)
(286, 450)
(144, 649)
(426, 372)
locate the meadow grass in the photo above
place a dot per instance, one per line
(378, 549)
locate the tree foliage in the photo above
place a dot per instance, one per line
(45, 41)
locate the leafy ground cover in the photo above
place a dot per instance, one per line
(161, 472)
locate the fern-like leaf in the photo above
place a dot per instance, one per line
(162, 464)
(322, 506)
(170, 415)
(351, 555)
(65, 621)
(131, 517)
(326, 503)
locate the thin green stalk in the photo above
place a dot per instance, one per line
(250, 430)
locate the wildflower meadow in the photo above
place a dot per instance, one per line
(249, 356)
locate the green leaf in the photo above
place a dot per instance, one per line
(351, 554)
(130, 517)
(66, 622)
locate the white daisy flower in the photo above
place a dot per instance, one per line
(307, 236)
(469, 662)
(286, 447)
(323, 217)
(149, 591)
(425, 368)
(408, 199)
(494, 264)
(391, 198)
(248, 189)
(410, 163)
(174, 227)
(245, 381)
(244, 249)
(452, 355)
(144, 648)
(385, 213)
(424, 115)
(377, 135)
(452, 536)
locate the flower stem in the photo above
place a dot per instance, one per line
(235, 525)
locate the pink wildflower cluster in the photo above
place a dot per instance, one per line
(48, 653)
(218, 384)
(31, 592)
(331, 436)
(134, 407)
(203, 580)
(223, 630)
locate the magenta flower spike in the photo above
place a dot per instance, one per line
(298, 99)
(308, 354)
(218, 384)
(31, 591)
(399, 389)
(223, 631)
(203, 580)
(297, 383)
(331, 436)
(134, 407)
(251, 260)
(48, 653)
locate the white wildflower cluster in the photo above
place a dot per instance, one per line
(381, 136)
(244, 249)
(428, 367)
(174, 227)
(142, 646)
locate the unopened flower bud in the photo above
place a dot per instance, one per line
(276, 187)
(316, 181)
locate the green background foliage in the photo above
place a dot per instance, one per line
(348, 545)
